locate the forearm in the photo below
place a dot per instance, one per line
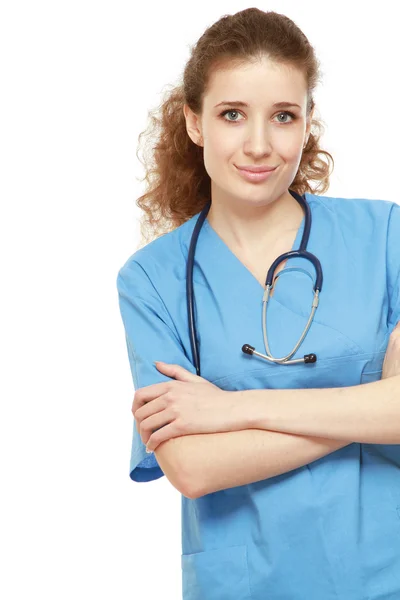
(218, 461)
(368, 413)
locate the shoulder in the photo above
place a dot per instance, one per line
(161, 259)
(362, 215)
(352, 206)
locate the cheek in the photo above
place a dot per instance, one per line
(220, 145)
(289, 148)
(218, 154)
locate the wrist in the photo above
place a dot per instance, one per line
(253, 409)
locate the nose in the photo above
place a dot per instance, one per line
(258, 140)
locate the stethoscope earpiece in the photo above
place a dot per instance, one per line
(307, 358)
(247, 349)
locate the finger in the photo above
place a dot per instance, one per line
(153, 423)
(165, 433)
(150, 408)
(177, 372)
(149, 392)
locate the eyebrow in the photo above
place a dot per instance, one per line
(239, 103)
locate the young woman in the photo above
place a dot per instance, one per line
(287, 463)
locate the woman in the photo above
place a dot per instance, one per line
(285, 494)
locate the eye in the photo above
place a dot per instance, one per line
(231, 110)
(285, 112)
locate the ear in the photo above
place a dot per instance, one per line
(192, 125)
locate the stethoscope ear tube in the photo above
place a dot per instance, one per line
(189, 286)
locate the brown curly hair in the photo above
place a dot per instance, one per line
(178, 186)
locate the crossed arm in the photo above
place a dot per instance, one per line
(287, 429)
(218, 461)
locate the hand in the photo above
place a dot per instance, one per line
(391, 364)
(187, 406)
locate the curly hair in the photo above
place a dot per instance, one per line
(178, 185)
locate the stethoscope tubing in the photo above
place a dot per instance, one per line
(301, 253)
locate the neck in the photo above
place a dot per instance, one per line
(259, 228)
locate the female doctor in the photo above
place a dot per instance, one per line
(276, 410)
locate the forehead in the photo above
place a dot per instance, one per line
(263, 81)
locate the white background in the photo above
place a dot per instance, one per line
(77, 81)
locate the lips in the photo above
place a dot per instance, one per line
(254, 169)
(255, 176)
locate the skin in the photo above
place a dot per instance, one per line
(252, 216)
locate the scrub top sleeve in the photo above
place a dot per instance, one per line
(393, 266)
(150, 335)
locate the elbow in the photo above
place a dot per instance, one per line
(179, 459)
(188, 485)
(176, 470)
(190, 493)
(183, 483)
(190, 481)
(193, 487)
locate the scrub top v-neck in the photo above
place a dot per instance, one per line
(220, 246)
(221, 249)
(327, 530)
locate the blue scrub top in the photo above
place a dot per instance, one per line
(329, 530)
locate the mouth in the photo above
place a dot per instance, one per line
(256, 175)
(255, 169)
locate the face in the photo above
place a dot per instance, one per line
(259, 134)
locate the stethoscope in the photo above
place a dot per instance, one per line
(301, 252)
